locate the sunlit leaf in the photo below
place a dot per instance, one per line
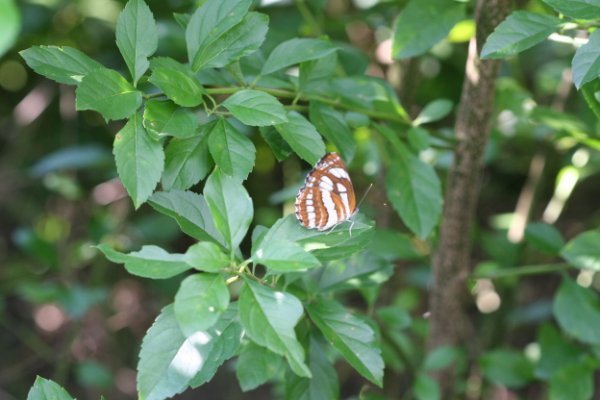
(269, 318)
(177, 81)
(45, 389)
(520, 31)
(208, 23)
(255, 108)
(170, 361)
(433, 111)
(295, 51)
(137, 37)
(577, 311)
(139, 160)
(10, 24)
(164, 118)
(351, 336)
(339, 243)
(583, 251)
(586, 63)
(206, 256)
(284, 256)
(232, 151)
(302, 137)
(61, 64)
(415, 192)
(422, 24)
(241, 40)
(580, 9)
(190, 211)
(230, 206)
(200, 301)
(150, 262)
(333, 126)
(105, 91)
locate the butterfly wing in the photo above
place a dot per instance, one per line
(327, 197)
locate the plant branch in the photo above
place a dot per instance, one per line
(452, 264)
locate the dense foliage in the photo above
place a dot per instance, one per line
(220, 108)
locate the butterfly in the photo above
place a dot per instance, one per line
(327, 197)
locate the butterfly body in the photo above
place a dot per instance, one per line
(327, 197)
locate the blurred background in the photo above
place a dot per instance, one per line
(69, 315)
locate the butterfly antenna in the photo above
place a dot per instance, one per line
(364, 196)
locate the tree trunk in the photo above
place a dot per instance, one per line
(449, 322)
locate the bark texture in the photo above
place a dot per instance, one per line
(449, 322)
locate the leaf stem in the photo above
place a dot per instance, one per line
(522, 271)
(287, 94)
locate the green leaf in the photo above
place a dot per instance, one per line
(107, 92)
(520, 31)
(281, 150)
(209, 23)
(182, 19)
(243, 39)
(577, 311)
(61, 64)
(177, 81)
(425, 388)
(573, 382)
(351, 336)
(230, 206)
(586, 63)
(360, 271)
(324, 383)
(333, 126)
(415, 192)
(422, 24)
(187, 161)
(206, 256)
(139, 160)
(579, 9)
(281, 255)
(200, 301)
(583, 251)
(302, 137)
(137, 37)
(506, 367)
(339, 243)
(295, 51)
(418, 138)
(269, 318)
(190, 211)
(164, 118)
(313, 73)
(257, 365)
(439, 358)
(10, 25)
(170, 361)
(556, 352)
(545, 237)
(45, 389)
(255, 108)
(232, 151)
(433, 111)
(150, 262)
